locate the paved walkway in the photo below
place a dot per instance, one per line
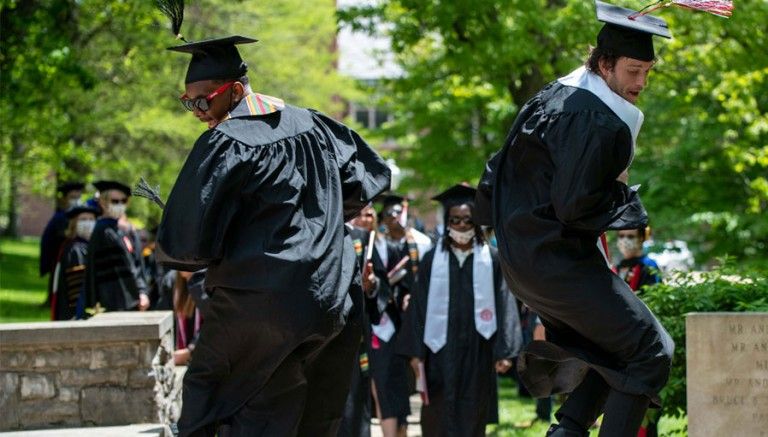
(153, 429)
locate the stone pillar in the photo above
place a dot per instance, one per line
(113, 369)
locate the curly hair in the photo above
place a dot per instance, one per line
(596, 54)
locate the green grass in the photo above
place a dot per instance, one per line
(22, 290)
(517, 413)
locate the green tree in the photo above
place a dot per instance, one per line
(470, 65)
(88, 90)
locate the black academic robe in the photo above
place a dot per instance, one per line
(390, 371)
(357, 411)
(113, 277)
(262, 201)
(549, 193)
(70, 279)
(461, 377)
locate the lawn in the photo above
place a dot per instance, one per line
(22, 290)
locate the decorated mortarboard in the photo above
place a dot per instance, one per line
(112, 185)
(456, 195)
(66, 187)
(79, 209)
(214, 59)
(627, 33)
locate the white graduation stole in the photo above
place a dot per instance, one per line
(438, 297)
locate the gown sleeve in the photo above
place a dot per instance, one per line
(509, 334)
(589, 151)
(411, 338)
(363, 173)
(201, 205)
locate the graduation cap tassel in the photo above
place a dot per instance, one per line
(174, 10)
(143, 189)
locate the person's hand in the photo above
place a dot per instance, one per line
(624, 176)
(406, 301)
(503, 365)
(370, 281)
(415, 362)
(143, 302)
(181, 357)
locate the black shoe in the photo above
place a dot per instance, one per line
(558, 431)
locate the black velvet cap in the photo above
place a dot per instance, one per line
(625, 36)
(66, 187)
(456, 195)
(214, 59)
(112, 185)
(390, 199)
(79, 209)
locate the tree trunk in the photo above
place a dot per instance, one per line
(14, 164)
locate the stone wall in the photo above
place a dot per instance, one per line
(113, 369)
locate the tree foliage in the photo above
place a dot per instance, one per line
(88, 90)
(469, 65)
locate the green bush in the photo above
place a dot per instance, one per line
(724, 289)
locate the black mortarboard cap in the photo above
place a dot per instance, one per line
(390, 199)
(626, 33)
(456, 195)
(214, 59)
(79, 209)
(66, 187)
(112, 185)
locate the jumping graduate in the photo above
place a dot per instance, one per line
(558, 183)
(462, 324)
(114, 277)
(262, 201)
(69, 277)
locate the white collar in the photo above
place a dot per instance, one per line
(626, 111)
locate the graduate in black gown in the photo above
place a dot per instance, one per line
(262, 201)
(559, 182)
(400, 248)
(462, 325)
(357, 411)
(114, 274)
(68, 286)
(67, 196)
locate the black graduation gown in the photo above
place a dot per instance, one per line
(549, 193)
(461, 377)
(113, 277)
(262, 202)
(390, 371)
(71, 278)
(357, 411)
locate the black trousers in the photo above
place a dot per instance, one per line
(269, 364)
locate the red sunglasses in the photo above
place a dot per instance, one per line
(203, 103)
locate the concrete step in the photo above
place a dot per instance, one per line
(137, 430)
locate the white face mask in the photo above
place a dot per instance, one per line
(628, 246)
(116, 211)
(461, 237)
(74, 202)
(85, 228)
